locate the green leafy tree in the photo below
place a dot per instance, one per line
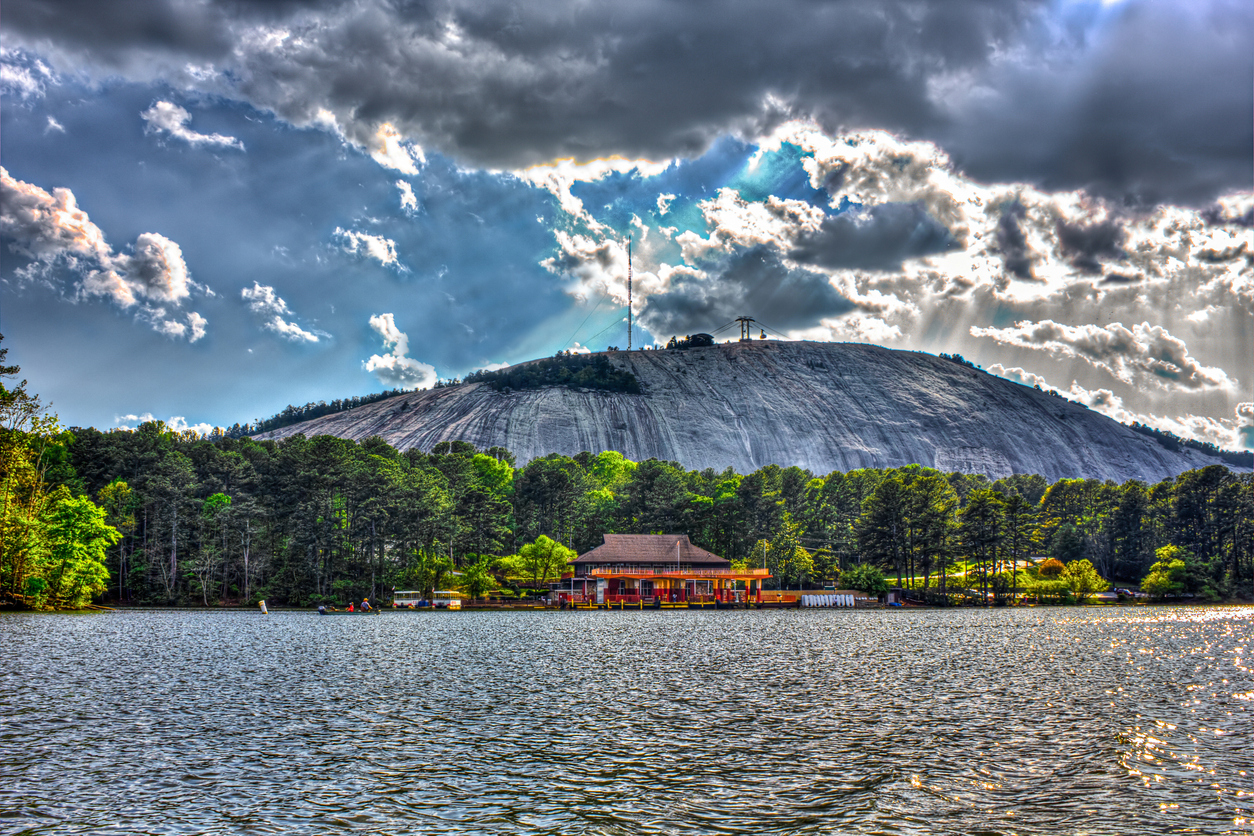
(1084, 505)
(544, 560)
(546, 498)
(1082, 579)
(1031, 487)
(655, 500)
(788, 561)
(118, 501)
(865, 577)
(1177, 571)
(1166, 577)
(53, 544)
(213, 547)
(477, 578)
(1067, 545)
(1129, 533)
(431, 571)
(78, 540)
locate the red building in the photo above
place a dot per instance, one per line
(656, 570)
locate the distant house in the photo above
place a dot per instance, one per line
(656, 569)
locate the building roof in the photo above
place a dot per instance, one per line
(649, 548)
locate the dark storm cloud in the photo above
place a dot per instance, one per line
(1149, 104)
(750, 280)
(1012, 243)
(1120, 278)
(1143, 101)
(107, 30)
(878, 238)
(1086, 244)
(1217, 256)
(1216, 216)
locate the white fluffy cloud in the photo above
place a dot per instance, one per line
(176, 423)
(560, 176)
(377, 247)
(155, 269)
(48, 226)
(1226, 433)
(167, 118)
(1142, 354)
(266, 302)
(263, 299)
(390, 151)
(1024, 245)
(290, 330)
(1018, 375)
(397, 368)
(52, 230)
(192, 326)
(22, 75)
(196, 325)
(409, 201)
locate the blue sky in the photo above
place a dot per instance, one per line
(212, 210)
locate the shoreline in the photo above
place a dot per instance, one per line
(103, 610)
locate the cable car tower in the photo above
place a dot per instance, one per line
(746, 328)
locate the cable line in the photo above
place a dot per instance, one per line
(586, 318)
(603, 330)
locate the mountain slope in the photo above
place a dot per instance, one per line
(822, 406)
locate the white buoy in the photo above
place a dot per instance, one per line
(262, 604)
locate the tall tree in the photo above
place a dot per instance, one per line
(883, 526)
(980, 532)
(1021, 536)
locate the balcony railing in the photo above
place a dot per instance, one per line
(654, 571)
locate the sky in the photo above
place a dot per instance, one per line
(211, 209)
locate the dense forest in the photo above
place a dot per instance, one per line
(576, 371)
(153, 516)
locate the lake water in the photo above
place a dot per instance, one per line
(1059, 721)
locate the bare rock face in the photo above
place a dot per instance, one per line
(821, 406)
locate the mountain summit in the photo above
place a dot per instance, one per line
(821, 406)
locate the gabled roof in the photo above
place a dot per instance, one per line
(649, 549)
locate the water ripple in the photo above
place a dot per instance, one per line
(1003, 722)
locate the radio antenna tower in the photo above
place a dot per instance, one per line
(629, 293)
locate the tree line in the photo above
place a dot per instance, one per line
(312, 520)
(155, 516)
(574, 371)
(296, 414)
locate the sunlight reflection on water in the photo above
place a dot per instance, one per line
(810, 721)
